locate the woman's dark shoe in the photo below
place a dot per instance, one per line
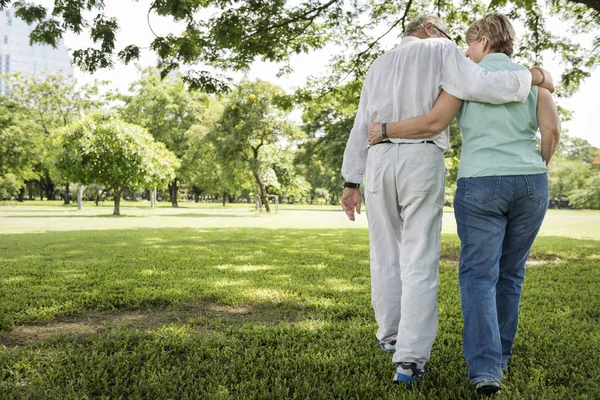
(488, 388)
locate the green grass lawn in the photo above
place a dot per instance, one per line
(213, 303)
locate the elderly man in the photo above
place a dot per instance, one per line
(404, 191)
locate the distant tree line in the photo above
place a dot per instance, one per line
(58, 138)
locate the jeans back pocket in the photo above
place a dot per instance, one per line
(537, 187)
(482, 189)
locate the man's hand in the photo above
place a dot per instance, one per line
(375, 135)
(351, 201)
(543, 78)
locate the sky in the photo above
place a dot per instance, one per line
(134, 29)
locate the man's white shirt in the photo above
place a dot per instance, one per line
(406, 81)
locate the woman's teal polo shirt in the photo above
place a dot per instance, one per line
(500, 139)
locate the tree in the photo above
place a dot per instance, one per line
(328, 121)
(589, 195)
(53, 102)
(565, 177)
(576, 149)
(168, 110)
(20, 149)
(105, 150)
(253, 131)
(205, 172)
(238, 33)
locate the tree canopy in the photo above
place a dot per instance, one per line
(168, 110)
(20, 148)
(105, 150)
(254, 134)
(231, 35)
(50, 102)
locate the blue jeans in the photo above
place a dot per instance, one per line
(498, 218)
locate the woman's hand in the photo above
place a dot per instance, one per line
(375, 135)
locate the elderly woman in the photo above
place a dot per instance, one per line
(501, 197)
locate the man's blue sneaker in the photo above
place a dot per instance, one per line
(408, 373)
(488, 388)
(389, 347)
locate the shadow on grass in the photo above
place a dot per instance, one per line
(37, 210)
(46, 275)
(76, 216)
(200, 215)
(124, 215)
(153, 317)
(51, 274)
(261, 313)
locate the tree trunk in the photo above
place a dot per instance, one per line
(153, 197)
(67, 199)
(21, 197)
(117, 209)
(47, 186)
(173, 190)
(50, 191)
(224, 198)
(80, 197)
(263, 192)
(30, 190)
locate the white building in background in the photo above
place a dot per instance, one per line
(16, 55)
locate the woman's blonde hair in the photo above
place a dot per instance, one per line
(498, 30)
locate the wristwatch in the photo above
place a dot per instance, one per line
(383, 131)
(351, 185)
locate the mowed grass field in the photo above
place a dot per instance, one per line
(212, 302)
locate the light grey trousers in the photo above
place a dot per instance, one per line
(404, 196)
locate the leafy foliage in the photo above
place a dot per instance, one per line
(20, 148)
(573, 176)
(105, 150)
(235, 34)
(328, 121)
(254, 132)
(54, 100)
(203, 170)
(51, 102)
(576, 149)
(588, 196)
(168, 110)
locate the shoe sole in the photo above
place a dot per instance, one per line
(488, 390)
(405, 379)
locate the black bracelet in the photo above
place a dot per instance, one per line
(385, 136)
(351, 185)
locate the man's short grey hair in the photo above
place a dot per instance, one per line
(416, 24)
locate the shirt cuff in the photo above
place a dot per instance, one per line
(525, 78)
(354, 179)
